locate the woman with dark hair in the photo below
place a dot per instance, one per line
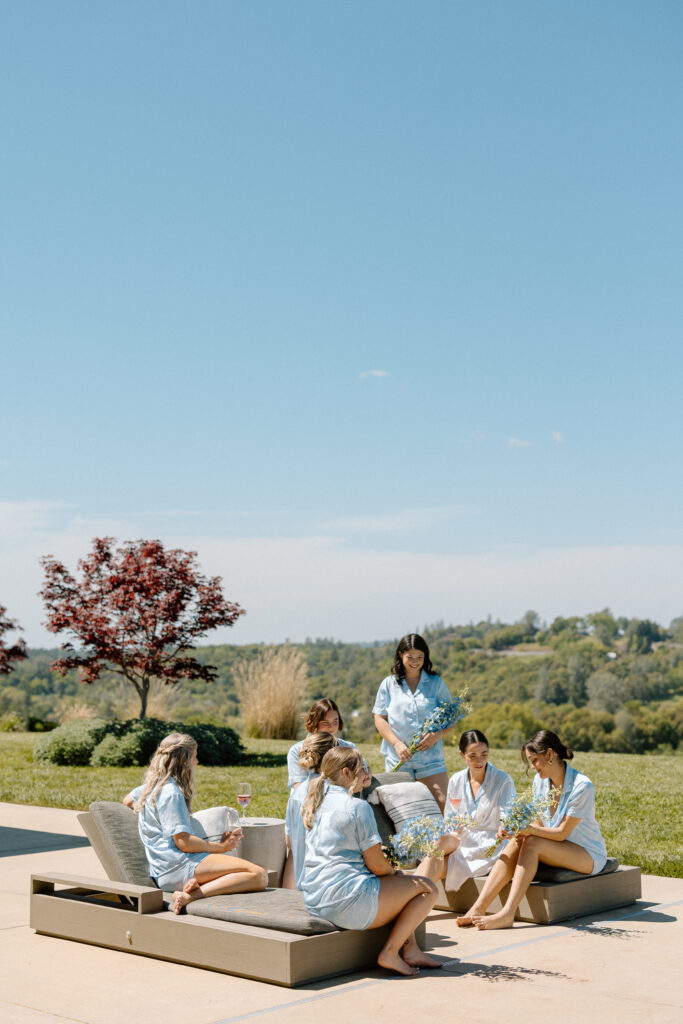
(323, 716)
(404, 700)
(483, 792)
(569, 837)
(346, 878)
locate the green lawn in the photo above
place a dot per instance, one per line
(638, 796)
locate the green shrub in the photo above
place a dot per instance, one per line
(72, 743)
(12, 721)
(122, 744)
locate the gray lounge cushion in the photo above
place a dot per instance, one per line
(547, 875)
(405, 802)
(281, 909)
(385, 826)
(118, 826)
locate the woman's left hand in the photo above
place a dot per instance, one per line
(232, 838)
(429, 740)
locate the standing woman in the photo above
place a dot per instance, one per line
(346, 878)
(403, 702)
(323, 716)
(481, 791)
(569, 838)
(179, 860)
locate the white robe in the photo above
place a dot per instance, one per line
(495, 793)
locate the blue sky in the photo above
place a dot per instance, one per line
(376, 306)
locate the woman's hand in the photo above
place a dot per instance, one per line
(231, 840)
(430, 740)
(402, 752)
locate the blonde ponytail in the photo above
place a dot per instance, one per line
(331, 767)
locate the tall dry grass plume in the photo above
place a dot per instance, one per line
(270, 689)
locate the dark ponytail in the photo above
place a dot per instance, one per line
(544, 741)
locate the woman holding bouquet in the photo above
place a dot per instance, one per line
(480, 791)
(346, 878)
(570, 838)
(404, 701)
(323, 716)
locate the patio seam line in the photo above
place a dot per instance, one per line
(448, 963)
(56, 1016)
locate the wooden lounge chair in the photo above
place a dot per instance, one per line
(268, 936)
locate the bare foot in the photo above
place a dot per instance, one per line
(393, 962)
(192, 886)
(414, 956)
(467, 920)
(180, 900)
(499, 920)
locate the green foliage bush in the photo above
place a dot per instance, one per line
(12, 721)
(72, 743)
(123, 744)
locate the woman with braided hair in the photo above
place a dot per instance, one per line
(179, 860)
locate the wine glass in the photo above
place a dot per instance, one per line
(243, 796)
(232, 820)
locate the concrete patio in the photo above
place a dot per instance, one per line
(623, 965)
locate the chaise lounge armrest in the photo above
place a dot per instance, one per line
(148, 900)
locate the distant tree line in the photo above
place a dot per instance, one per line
(605, 683)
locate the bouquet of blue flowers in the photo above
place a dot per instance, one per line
(420, 837)
(524, 809)
(442, 717)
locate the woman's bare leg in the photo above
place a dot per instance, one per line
(438, 787)
(288, 872)
(436, 868)
(218, 874)
(563, 854)
(498, 877)
(406, 900)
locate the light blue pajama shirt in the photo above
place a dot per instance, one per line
(295, 771)
(335, 882)
(577, 800)
(406, 713)
(295, 828)
(157, 824)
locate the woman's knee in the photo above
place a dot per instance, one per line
(260, 876)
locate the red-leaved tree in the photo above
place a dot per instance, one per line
(136, 611)
(16, 652)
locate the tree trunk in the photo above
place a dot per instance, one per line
(143, 691)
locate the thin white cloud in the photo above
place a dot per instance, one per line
(406, 520)
(20, 517)
(516, 442)
(374, 373)
(558, 438)
(322, 585)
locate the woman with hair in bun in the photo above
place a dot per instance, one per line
(483, 792)
(179, 860)
(313, 749)
(570, 837)
(404, 700)
(323, 716)
(346, 878)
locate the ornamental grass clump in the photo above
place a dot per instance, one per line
(443, 717)
(270, 689)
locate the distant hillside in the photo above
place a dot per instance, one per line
(605, 683)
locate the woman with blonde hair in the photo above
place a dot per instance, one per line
(313, 749)
(179, 860)
(346, 878)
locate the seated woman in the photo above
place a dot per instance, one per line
(178, 860)
(346, 878)
(313, 749)
(323, 716)
(481, 791)
(570, 838)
